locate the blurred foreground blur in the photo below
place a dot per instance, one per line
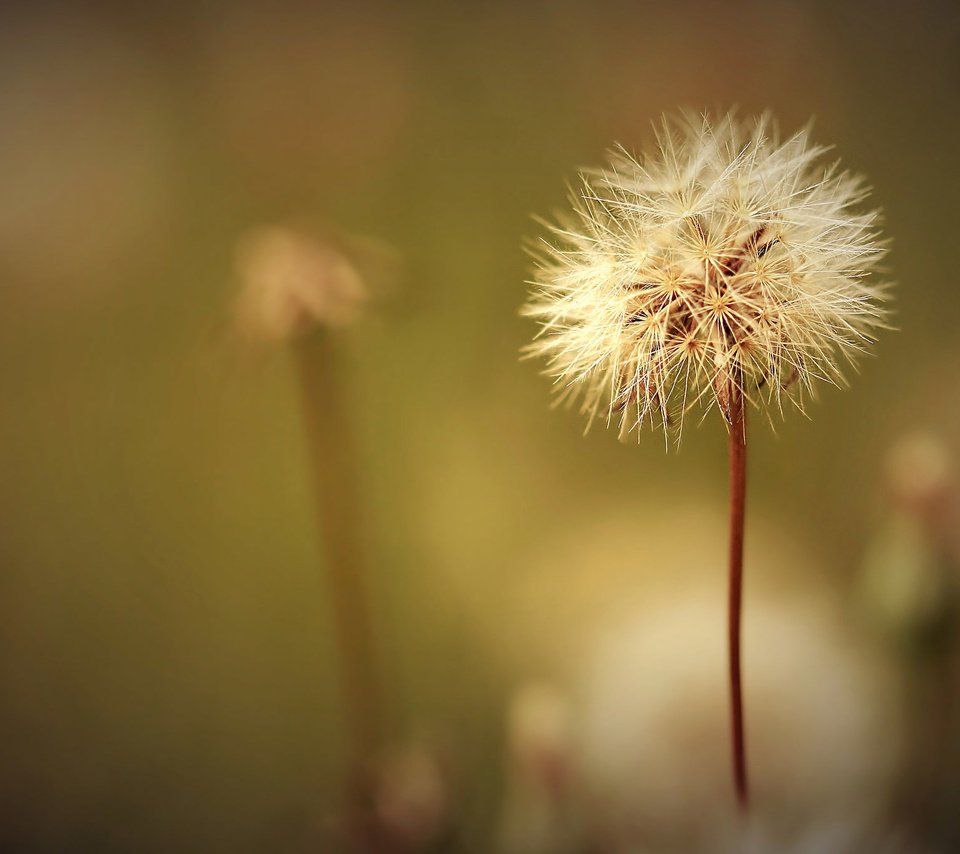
(193, 197)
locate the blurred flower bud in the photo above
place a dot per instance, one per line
(293, 281)
(411, 798)
(919, 475)
(822, 739)
(539, 735)
(540, 814)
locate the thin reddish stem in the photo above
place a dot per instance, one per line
(738, 489)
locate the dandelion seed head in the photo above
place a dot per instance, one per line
(727, 259)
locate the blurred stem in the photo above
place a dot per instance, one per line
(330, 444)
(738, 489)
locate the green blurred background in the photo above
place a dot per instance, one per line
(167, 669)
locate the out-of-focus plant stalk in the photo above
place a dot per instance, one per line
(333, 460)
(304, 287)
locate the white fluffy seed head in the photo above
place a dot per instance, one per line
(727, 259)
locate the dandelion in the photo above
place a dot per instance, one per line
(731, 267)
(303, 288)
(825, 724)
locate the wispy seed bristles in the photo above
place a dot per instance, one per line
(728, 258)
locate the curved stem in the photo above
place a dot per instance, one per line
(738, 489)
